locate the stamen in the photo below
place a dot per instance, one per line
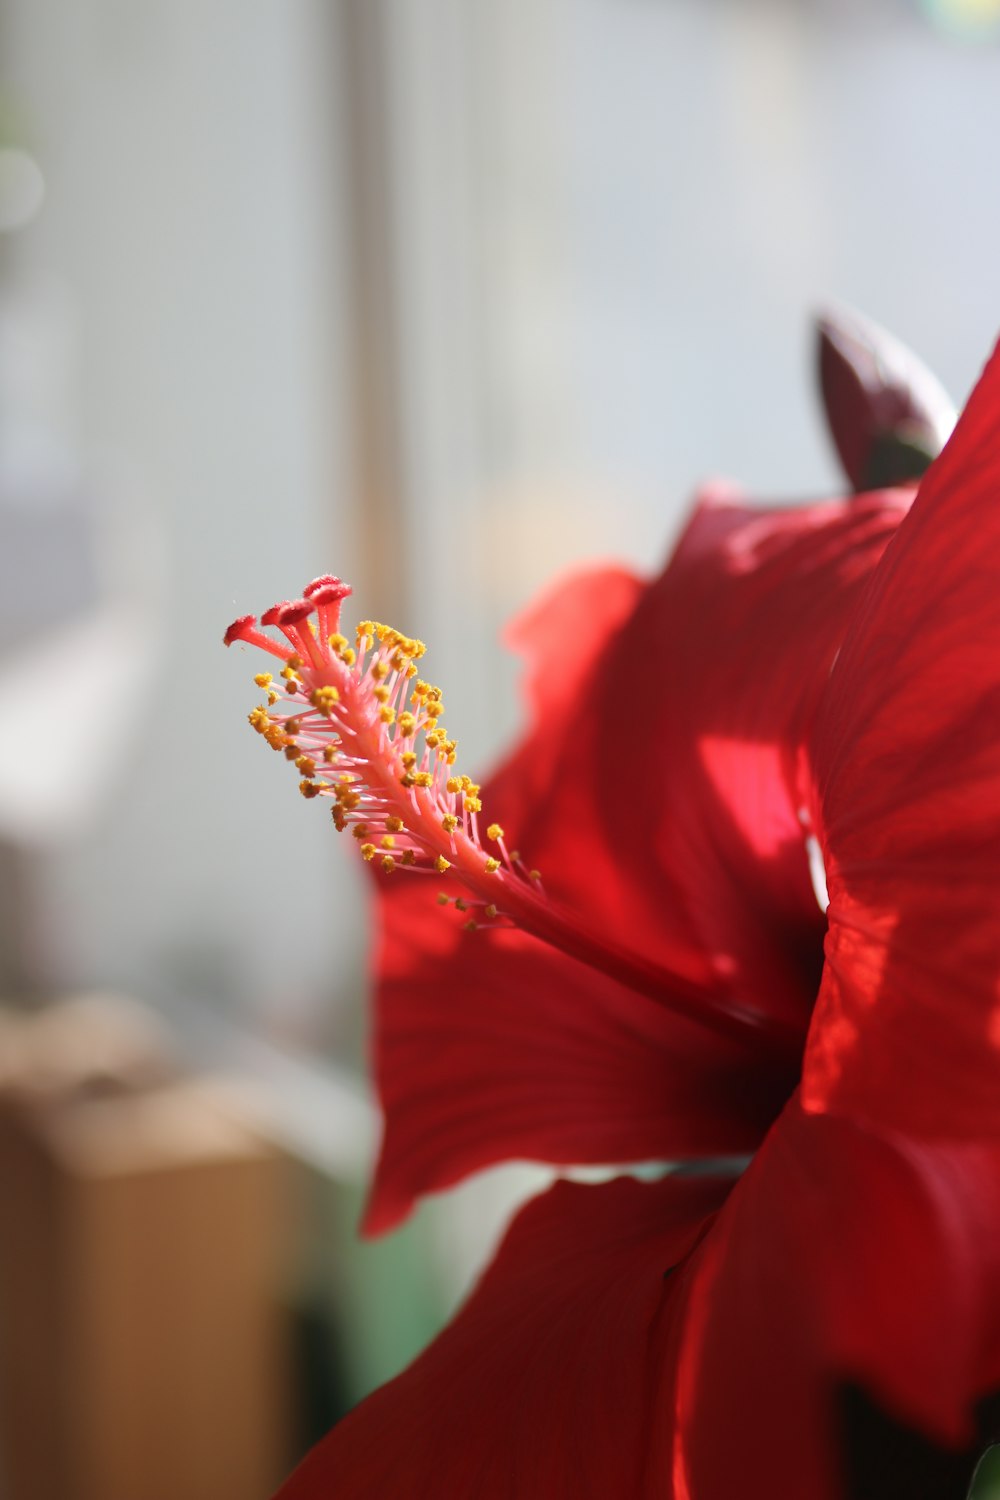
(365, 734)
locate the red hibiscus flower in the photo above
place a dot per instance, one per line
(820, 684)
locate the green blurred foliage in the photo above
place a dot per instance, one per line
(986, 1485)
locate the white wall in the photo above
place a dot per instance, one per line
(604, 224)
(192, 160)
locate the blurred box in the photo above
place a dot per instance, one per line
(142, 1346)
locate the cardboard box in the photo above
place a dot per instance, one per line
(142, 1347)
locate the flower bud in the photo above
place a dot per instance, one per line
(889, 417)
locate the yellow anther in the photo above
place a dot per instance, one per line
(469, 926)
(491, 910)
(494, 831)
(394, 656)
(461, 905)
(324, 698)
(534, 875)
(443, 900)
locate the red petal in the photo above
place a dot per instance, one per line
(907, 758)
(653, 788)
(655, 800)
(547, 1383)
(580, 1368)
(562, 634)
(491, 1046)
(841, 1259)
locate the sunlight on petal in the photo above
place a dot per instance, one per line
(746, 777)
(857, 958)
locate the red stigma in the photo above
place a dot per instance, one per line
(327, 589)
(270, 616)
(239, 629)
(329, 594)
(292, 612)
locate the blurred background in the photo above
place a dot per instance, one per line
(440, 295)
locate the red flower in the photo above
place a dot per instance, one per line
(781, 687)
